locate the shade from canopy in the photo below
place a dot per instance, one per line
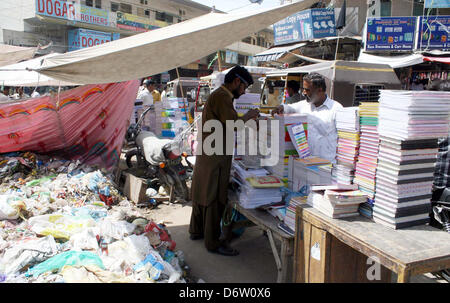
(23, 74)
(163, 49)
(10, 54)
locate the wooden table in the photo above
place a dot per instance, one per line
(269, 224)
(342, 247)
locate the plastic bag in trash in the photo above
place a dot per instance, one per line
(60, 226)
(72, 258)
(10, 207)
(25, 254)
(154, 267)
(115, 229)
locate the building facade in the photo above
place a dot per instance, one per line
(67, 25)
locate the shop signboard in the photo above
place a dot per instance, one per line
(136, 23)
(390, 34)
(231, 57)
(72, 11)
(437, 3)
(82, 38)
(305, 25)
(434, 32)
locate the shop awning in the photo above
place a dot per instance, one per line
(437, 59)
(163, 49)
(393, 61)
(23, 74)
(275, 53)
(10, 54)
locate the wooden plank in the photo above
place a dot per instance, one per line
(135, 188)
(299, 250)
(317, 255)
(343, 262)
(307, 227)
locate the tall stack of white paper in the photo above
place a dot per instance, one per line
(284, 146)
(249, 196)
(410, 124)
(347, 125)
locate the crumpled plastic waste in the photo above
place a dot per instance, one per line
(64, 221)
(72, 258)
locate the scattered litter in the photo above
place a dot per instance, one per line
(66, 222)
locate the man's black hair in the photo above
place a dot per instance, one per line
(294, 85)
(236, 72)
(317, 80)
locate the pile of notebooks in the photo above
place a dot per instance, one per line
(284, 146)
(410, 123)
(255, 187)
(170, 117)
(347, 125)
(289, 218)
(246, 102)
(366, 166)
(336, 201)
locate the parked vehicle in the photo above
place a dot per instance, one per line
(160, 158)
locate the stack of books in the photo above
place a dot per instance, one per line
(289, 218)
(366, 166)
(347, 125)
(308, 171)
(246, 102)
(284, 146)
(170, 117)
(255, 187)
(410, 124)
(336, 201)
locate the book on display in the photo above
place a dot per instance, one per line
(409, 125)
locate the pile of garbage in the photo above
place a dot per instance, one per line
(62, 221)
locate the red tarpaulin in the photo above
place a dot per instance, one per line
(86, 123)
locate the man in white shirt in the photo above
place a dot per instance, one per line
(146, 97)
(4, 94)
(321, 111)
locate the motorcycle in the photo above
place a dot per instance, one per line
(441, 213)
(160, 158)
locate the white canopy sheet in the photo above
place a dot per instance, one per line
(163, 49)
(23, 74)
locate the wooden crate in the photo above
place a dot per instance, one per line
(135, 188)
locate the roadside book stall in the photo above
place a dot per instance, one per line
(373, 203)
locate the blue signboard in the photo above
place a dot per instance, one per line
(437, 3)
(82, 38)
(305, 25)
(434, 32)
(391, 33)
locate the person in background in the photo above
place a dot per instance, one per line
(20, 94)
(212, 172)
(417, 85)
(4, 94)
(146, 97)
(35, 93)
(321, 111)
(292, 90)
(164, 92)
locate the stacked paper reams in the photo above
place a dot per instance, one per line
(410, 123)
(246, 102)
(347, 124)
(336, 201)
(365, 172)
(170, 117)
(407, 156)
(289, 218)
(284, 146)
(256, 187)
